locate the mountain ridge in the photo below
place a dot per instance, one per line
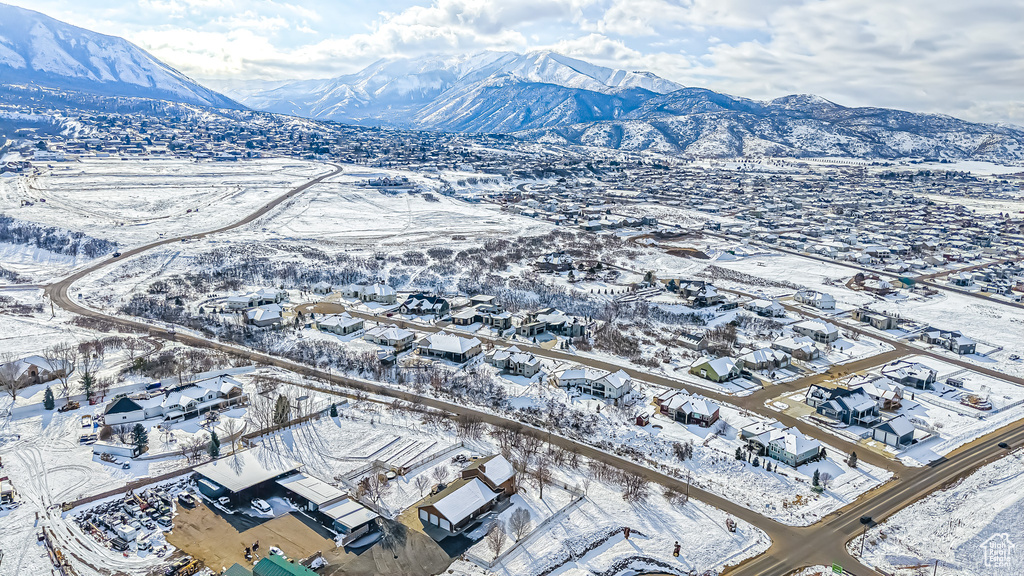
(37, 49)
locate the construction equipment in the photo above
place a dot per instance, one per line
(184, 567)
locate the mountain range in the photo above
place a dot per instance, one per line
(539, 95)
(38, 49)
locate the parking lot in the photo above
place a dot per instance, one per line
(206, 534)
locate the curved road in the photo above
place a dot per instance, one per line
(792, 547)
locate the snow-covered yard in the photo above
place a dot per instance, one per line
(968, 528)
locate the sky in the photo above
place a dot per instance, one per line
(965, 59)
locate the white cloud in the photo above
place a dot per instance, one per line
(954, 57)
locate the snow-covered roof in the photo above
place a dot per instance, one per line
(458, 504)
(618, 380)
(496, 468)
(445, 342)
(900, 425)
(349, 513)
(246, 468)
(313, 489)
(583, 373)
(817, 325)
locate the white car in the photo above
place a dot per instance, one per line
(224, 501)
(261, 506)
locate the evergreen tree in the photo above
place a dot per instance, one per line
(334, 410)
(739, 453)
(816, 480)
(214, 447)
(757, 462)
(88, 381)
(48, 399)
(281, 410)
(853, 460)
(140, 437)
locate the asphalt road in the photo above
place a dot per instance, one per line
(792, 547)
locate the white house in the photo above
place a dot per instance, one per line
(817, 330)
(176, 404)
(595, 382)
(816, 299)
(341, 324)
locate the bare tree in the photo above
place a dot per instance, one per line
(9, 374)
(441, 474)
(132, 345)
(374, 486)
(542, 473)
(122, 432)
(519, 523)
(496, 538)
(193, 449)
(421, 483)
(634, 487)
(824, 478)
(232, 433)
(62, 358)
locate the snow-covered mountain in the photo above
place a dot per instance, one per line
(550, 97)
(37, 49)
(489, 91)
(702, 123)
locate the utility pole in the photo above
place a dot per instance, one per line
(936, 571)
(863, 537)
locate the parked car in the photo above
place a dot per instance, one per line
(187, 501)
(164, 522)
(261, 506)
(71, 405)
(224, 501)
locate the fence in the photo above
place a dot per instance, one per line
(576, 502)
(130, 486)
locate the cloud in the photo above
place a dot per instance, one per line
(953, 57)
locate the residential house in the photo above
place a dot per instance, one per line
(886, 393)
(818, 330)
(715, 369)
(34, 370)
(877, 320)
(495, 471)
(897, 432)
(763, 359)
(555, 262)
(700, 294)
(767, 308)
(458, 504)
(852, 407)
(554, 321)
(390, 335)
(425, 305)
(264, 315)
(694, 341)
(799, 347)
(787, 445)
(688, 409)
(180, 403)
(514, 361)
(341, 324)
(376, 292)
(816, 299)
(952, 340)
(910, 374)
(449, 347)
(595, 382)
(261, 297)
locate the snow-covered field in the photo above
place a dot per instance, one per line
(975, 527)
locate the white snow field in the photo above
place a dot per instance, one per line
(965, 527)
